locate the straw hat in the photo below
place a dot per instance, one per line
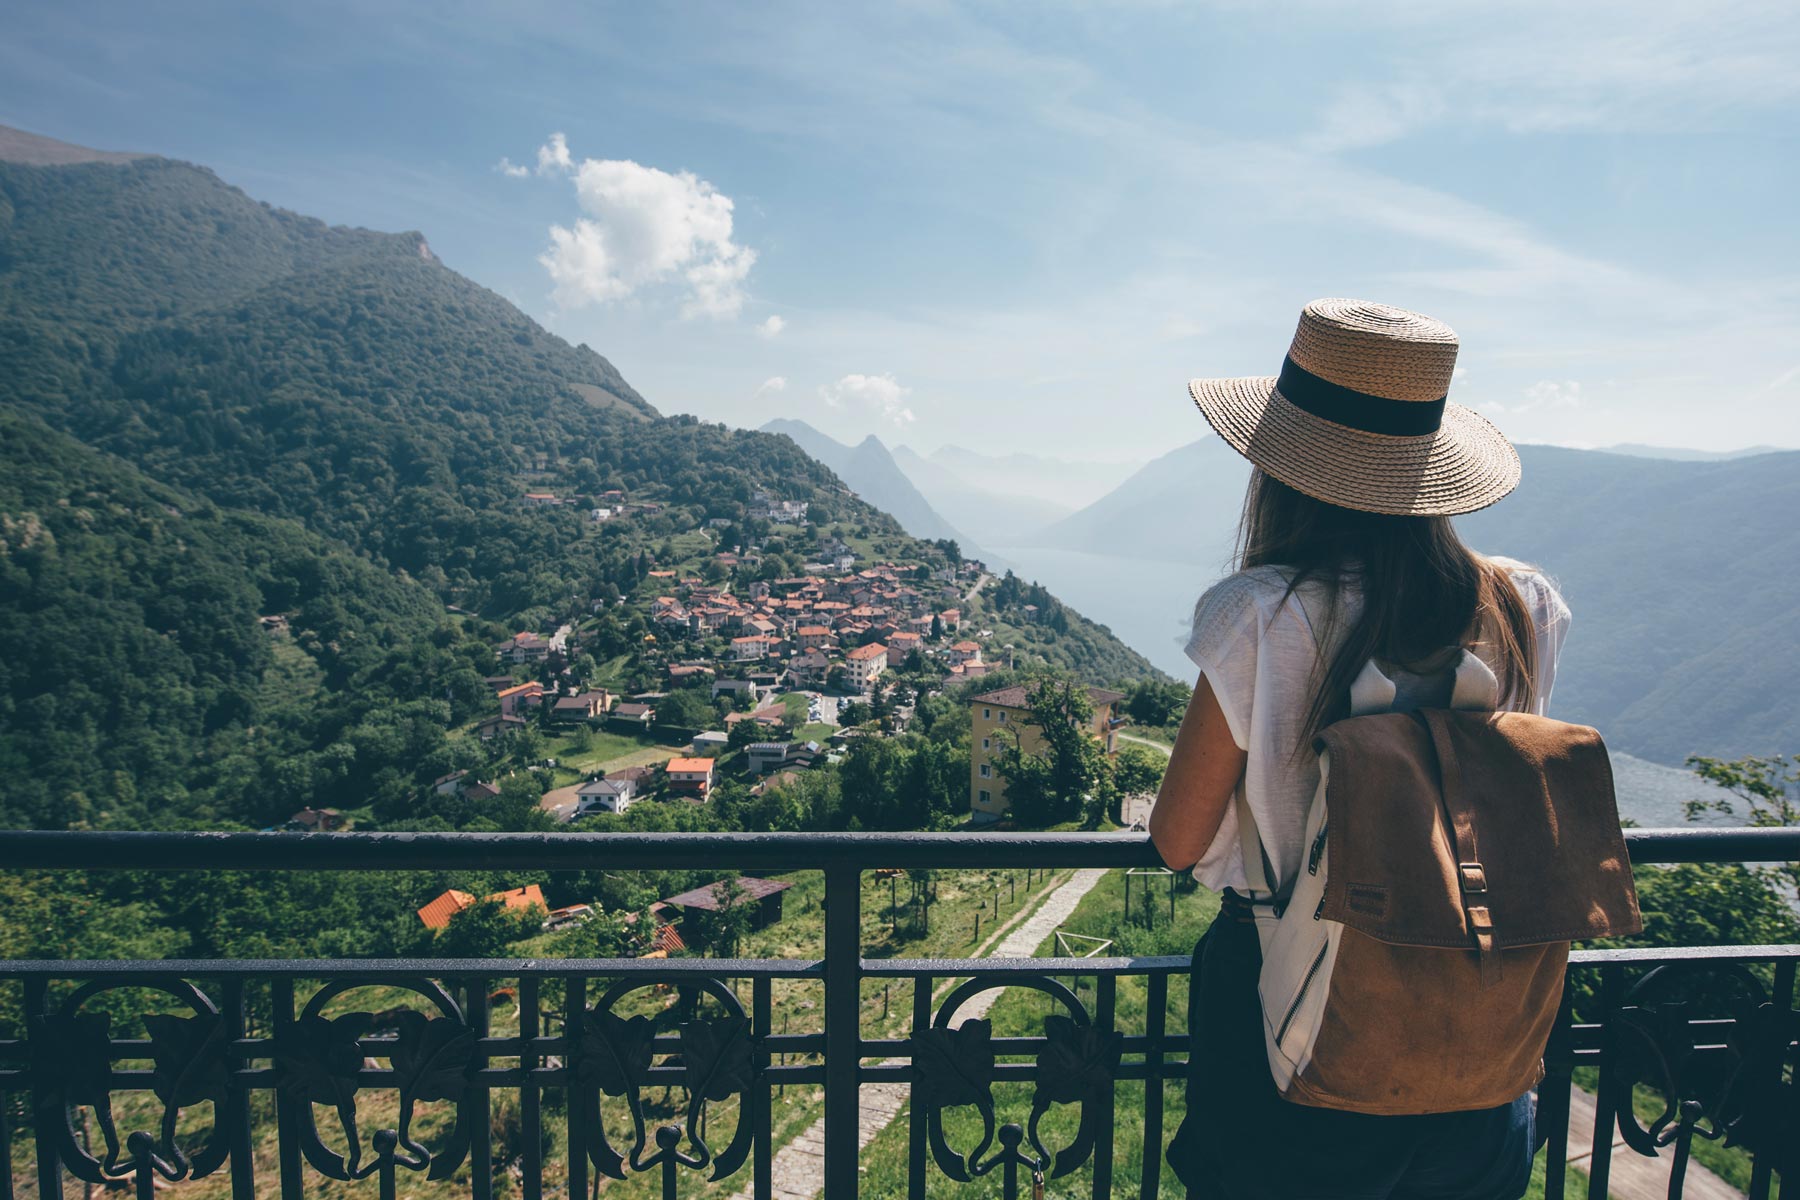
(1358, 416)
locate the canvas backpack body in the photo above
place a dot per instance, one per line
(1415, 963)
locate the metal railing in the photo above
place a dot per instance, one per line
(1702, 1039)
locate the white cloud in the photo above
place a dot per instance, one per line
(511, 169)
(771, 327)
(1362, 115)
(881, 394)
(769, 386)
(553, 155)
(642, 228)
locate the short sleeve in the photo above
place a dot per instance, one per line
(1550, 618)
(1224, 644)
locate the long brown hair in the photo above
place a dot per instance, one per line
(1422, 590)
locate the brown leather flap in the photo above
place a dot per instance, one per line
(1540, 797)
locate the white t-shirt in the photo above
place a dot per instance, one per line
(1257, 650)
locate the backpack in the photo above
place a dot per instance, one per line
(1415, 964)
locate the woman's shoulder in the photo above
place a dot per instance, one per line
(1260, 588)
(1536, 587)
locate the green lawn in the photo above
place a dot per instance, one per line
(580, 755)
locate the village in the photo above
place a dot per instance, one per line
(744, 678)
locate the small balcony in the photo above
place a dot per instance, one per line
(688, 1076)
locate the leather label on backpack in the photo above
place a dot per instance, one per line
(1367, 899)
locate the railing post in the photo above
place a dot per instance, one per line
(1606, 1101)
(843, 1027)
(49, 1166)
(1155, 1015)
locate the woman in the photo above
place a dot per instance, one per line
(1346, 554)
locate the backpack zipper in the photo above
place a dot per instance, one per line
(1318, 850)
(1301, 994)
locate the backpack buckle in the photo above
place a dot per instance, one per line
(1474, 878)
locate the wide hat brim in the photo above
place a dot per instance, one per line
(1466, 465)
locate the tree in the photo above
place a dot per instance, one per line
(1156, 702)
(721, 930)
(1137, 770)
(486, 928)
(1769, 787)
(1068, 775)
(686, 708)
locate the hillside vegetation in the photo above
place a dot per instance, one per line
(216, 412)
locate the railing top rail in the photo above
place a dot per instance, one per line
(200, 850)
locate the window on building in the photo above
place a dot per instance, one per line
(987, 772)
(987, 714)
(983, 793)
(1003, 718)
(984, 743)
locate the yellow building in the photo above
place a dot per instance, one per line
(995, 718)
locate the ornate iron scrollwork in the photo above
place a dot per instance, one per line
(954, 1066)
(719, 1060)
(72, 1055)
(321, 1060)
(1717, 1069)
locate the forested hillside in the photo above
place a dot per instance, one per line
(218, 412)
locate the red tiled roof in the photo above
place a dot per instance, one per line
(520, 898)
(702, 765)
(436, 915)
(869, 651)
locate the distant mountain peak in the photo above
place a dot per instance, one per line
(870, 471)
(36, 150)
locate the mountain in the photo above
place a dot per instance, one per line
(870, 472)
(1681, 575)
(262, 509)
(1679, 454)
(993, 517)
(1181, 507)
(1066, 483)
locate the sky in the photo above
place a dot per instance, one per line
(1024, 225)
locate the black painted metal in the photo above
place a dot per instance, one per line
(26, 849)
(1712, 1029)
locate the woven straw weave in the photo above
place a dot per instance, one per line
(1382, 351)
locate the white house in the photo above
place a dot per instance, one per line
(605, 795)
(865, 664)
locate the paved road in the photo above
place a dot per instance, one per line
(980, 582)
(798, 1172)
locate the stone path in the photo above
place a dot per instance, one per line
(799, 1169)
(1632, 1176)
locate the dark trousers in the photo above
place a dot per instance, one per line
(1242, 1141)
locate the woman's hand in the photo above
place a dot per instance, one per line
(1197, 788)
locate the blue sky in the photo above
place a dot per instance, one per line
(1025, 225)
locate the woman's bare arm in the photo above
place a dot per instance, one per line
(1203, 773)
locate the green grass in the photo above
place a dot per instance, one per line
(605, 750)
(1021, 1013)
(796, 706)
